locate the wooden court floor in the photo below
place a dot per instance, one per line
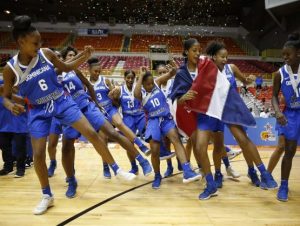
(174, 203)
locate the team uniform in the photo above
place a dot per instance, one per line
(56, 127)
(291, 130)
(48, 99)
(160, 120)
(102, 90)
(205, 122)
(75, 88)
(164, 152)
(133, 114)
(13, 139)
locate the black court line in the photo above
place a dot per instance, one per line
(123, 193)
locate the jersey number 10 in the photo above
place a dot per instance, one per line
(155, 102)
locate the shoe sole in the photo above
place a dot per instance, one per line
(212, 195)
(186, 181)
(229, 175)
(282, 200)
(41, 213)
(148, 173)
(70, 197)
(17, 176)
(167, 157)
(156, 188)
(107, 177)
(127, 179)
(266, 188)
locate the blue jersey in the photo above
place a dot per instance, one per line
(291, 99)
(155, 103)
(39, 84)
(102, 90)
(74, 86)
(168, 88)
(230, 75)
(129, 104)
(10, 122)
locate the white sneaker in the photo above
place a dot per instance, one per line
(233, 153)
(232, 173)
(47, 202)
(123, 175)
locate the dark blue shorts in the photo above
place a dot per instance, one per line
(56, 127)
(135, 122)
(111, 111)
(291, 130)
(157, 128)
(93, 115)
(64, 109)
(208, 123)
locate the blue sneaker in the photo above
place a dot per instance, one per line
(169, 171)
(51, 168)
(219, 180)
(164, 155)
(190, 176)
(282, 194)
(72, 186)
(134, 170)
(147, 169)
(145, 150)
(210, 191)
(267, 181)
(106, 171)
(254, 178)
(157, 181)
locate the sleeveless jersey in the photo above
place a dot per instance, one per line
(230, 75)
(102, 90)
(129, 104)
(40, 85)
(155, 103)
(168, 88)
(73, 85)
(291, 100)
(10, 122)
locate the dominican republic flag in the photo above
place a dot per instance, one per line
(215, 98)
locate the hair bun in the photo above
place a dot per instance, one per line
(294, 37)
(22, 22)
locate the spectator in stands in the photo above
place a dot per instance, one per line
(244, 90)
(252, 113)
(259, 82)
(264, 113)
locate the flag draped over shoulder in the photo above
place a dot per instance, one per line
(215, 98)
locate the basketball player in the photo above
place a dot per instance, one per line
(32, 69)
(160, 123)
(287, 79)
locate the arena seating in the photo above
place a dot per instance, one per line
(54, 40)
(140, 43)
(49, 39)
(109, 62)
(231, 46)
(110, 43)
(246, 66)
